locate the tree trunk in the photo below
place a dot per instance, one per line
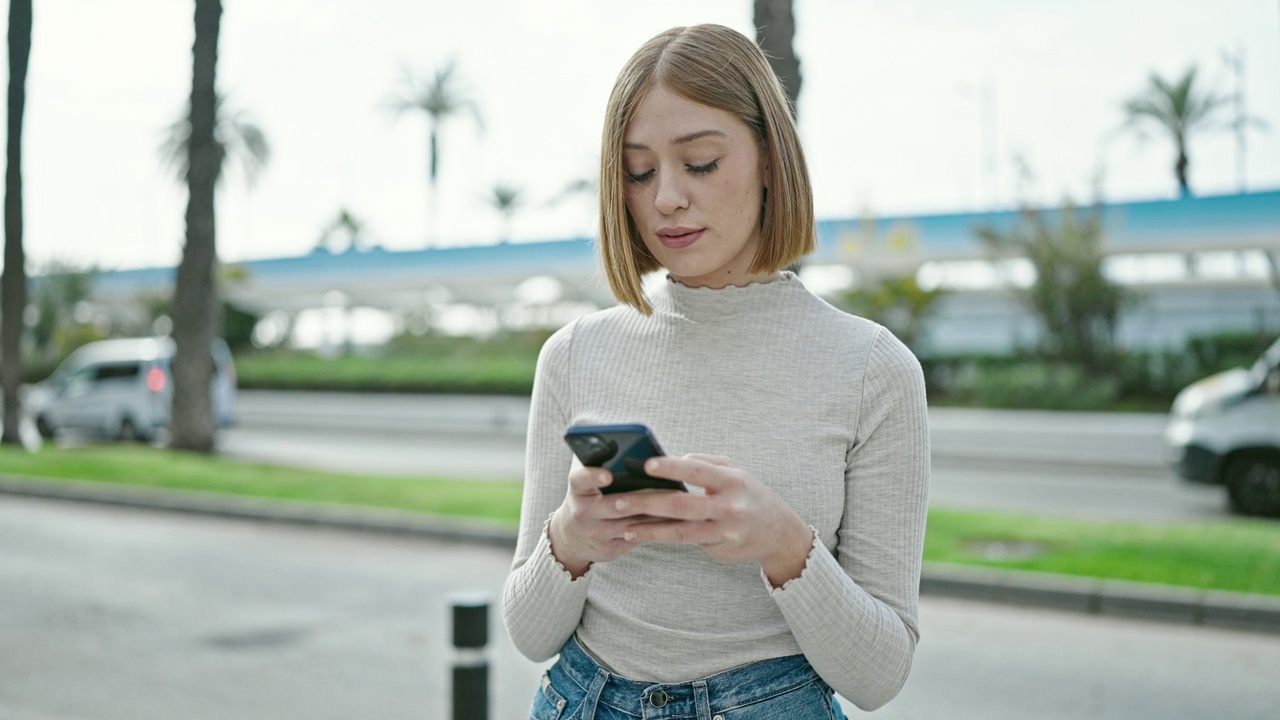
(1180, 169)
(195, 294)
(13, 285)
(775, 29)
(433, 196)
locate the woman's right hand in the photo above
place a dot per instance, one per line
(587, 528)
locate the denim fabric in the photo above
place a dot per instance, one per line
(787, 688)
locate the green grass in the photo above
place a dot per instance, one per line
(1235, 554)
(149, 467)
(456, 373)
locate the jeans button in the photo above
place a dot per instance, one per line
(658, 698)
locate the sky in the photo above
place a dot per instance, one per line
(907, 107)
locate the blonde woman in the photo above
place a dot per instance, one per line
(796, 570)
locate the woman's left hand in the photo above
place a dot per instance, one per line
(738, 519)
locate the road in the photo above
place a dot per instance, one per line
(109, 612)
(1073, 464)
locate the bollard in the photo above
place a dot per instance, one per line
(470, 660)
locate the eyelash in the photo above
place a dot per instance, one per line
(694, 169)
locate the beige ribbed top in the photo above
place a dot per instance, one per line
(826, 408)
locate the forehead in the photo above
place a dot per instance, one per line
(663, 117)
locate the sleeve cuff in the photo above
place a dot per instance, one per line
(542, 555)
(800, 579)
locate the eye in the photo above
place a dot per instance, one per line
(702, 169)
(638, 177)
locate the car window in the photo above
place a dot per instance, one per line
(118, 371)
(78, 382)
(1269, 361)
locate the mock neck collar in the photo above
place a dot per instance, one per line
(702, 304)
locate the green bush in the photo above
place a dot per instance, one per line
(1143, 381)
(503, 364)
(1041, 385)
(1226, 350)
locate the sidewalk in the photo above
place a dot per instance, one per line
(1077, 594)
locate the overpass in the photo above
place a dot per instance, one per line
(1224, 244)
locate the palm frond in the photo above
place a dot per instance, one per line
(234, 134)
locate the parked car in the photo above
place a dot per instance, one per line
(1225, 430)
(123, 389)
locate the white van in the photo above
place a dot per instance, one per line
(1225, 430)
(123, 389)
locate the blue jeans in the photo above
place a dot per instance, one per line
(786, 688)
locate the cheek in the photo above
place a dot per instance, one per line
(632, 200)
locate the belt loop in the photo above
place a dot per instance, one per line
(593, 694)
(701, 699)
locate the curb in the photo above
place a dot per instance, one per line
(1117, 598)
(381, 520)
(1211, 608)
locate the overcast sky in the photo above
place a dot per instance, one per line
(891, 110)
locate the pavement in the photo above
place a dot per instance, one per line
(1066, 593)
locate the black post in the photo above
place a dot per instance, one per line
(470, 661)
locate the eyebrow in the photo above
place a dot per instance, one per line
(682, 140)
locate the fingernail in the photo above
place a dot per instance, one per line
(622, 504)
(629, 536)
(651, 466)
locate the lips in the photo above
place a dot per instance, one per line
(679, 237)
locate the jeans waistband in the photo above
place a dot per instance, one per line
(723, 691)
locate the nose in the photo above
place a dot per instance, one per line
(669, 193)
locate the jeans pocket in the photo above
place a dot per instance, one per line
(810, 701)
(547, 703)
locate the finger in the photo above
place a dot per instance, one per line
(695, 471)
(720, 460)
(674, 532)
(664, 504)
(588, 480)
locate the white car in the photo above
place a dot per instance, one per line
(1225, 430)
(122, 389)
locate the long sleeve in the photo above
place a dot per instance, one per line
(824, 408)
(541, 603)
(854, 611)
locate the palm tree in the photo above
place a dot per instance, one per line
(344, 225)
(236, 136)
(440, 98)
(775, 22)
(506, 200)
(1180, 109)
(195, 300)
(13, 295)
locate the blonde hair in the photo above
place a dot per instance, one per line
(721, 68)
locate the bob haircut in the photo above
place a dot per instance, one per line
(721, 68)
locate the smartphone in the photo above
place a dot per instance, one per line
(622, 450)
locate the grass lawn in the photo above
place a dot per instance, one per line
(1237, 555)
(452, 373)
(150, 467)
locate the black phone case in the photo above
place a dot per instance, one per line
(622, 452)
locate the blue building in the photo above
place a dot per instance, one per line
(1196, 265)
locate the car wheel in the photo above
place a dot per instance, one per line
(128, 431)
(1253, 484)
(46, 430)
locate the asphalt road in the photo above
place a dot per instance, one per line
(1101, 465)
(108, 612)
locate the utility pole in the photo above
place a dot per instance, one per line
(989, 175)
(1236, 63)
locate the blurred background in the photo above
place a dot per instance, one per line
(1069, 211)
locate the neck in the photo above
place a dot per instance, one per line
(717, 282)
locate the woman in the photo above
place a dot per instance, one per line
(797, 570)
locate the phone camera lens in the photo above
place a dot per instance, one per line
(595, 450)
